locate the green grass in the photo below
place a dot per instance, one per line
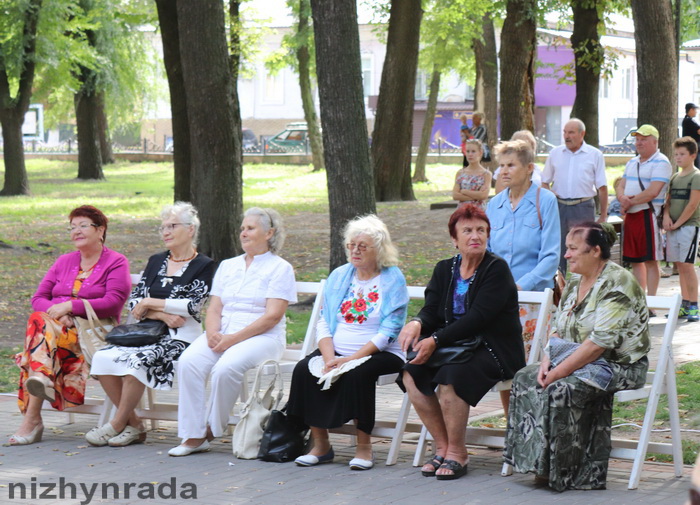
(9, 372)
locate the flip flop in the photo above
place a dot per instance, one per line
(435, 462)
(457, 470)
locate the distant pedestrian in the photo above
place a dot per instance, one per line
(681, 222)
(473, 182)
(690, 128)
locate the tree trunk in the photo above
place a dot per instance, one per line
(393, 127)
(657, 87)
(167, 20)
(346, 153)
(13, 109)
(518, 47)
(215, 148)
(103, 131)
(307, 98)
(16, 181)
(589, 55)
(235, 59)
(427, 131)
(487, 78)
(89, 155)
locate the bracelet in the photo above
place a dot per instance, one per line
(435, 338)
(416, 320)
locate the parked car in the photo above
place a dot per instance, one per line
(624, 146)
(250, 141)
(293, 139)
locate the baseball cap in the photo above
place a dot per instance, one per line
(690, 105)
(645, 130)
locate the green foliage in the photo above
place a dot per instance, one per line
(128, 68)
(690, 20)
(252, 28)
(294, 40)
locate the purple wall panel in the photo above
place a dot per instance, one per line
(548, 92)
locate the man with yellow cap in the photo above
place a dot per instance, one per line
(641, 195)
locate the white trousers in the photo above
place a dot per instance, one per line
(227, 369)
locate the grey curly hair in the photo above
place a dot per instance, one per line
(373, 227)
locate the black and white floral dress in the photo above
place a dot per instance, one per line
(185, 293)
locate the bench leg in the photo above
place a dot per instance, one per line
(399, 430)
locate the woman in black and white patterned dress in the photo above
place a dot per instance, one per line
(173, 288)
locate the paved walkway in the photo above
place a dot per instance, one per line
(221, 479)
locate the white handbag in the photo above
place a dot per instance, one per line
(92, 331)
(254, 413)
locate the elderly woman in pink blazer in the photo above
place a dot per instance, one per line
(52, 364)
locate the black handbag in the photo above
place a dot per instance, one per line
(284, 438)
(146, 332)
(457, 353)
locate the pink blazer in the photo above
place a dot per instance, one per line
(107, 287)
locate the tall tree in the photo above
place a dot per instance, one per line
(235, 59)
(170, 36)
(215, 148)
(657, 87)
(589, 56)
(446, 38)
(393, 127)
(486, 96)
(349, 173)
(303, 57)
(103, 131)
(518, 47)
(87, 107)
(297, 52)
(427, 130)
(17, 65)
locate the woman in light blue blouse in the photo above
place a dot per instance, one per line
(524, 227)
(364, 308)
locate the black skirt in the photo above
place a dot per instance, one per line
(471, 380)
(352, 396)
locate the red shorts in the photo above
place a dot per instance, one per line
(642, 238)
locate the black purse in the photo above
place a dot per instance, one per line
(146, 332)
(284, 438)
(457, 353)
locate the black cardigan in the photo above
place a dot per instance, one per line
(492, 310)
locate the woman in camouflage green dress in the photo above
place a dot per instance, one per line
(561, 410)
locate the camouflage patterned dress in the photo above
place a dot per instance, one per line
(563, 432)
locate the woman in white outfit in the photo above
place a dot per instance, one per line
(245, 326)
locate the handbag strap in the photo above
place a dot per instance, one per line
(91, 316)
(639, 180)
(277, 381)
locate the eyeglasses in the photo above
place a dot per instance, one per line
(170, 227)
(362, 247)
(81, 227)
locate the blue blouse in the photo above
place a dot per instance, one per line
(531, 250)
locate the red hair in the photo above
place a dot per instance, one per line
(93, 214)
(469, 211)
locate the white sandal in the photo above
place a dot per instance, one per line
(99, 436)
(130, 435)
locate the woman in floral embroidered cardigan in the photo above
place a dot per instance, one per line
(364, 308)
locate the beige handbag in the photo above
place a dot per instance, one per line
(92, 331)
(249, 431)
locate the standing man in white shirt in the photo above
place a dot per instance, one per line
(576, 173)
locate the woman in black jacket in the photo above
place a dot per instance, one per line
(471, 297)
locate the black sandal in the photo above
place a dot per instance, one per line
(436, 461)
(457, 470)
